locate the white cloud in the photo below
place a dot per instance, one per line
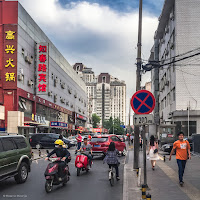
(99, 37)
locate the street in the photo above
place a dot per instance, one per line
(94, 185)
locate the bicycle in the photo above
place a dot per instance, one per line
(111, 176)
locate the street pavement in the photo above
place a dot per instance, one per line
(163, 182)
(93, 185)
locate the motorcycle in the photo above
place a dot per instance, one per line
(51, 174)
(81, 163)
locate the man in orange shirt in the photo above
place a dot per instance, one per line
(182, 148)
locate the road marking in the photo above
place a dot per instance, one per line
(161, 158)
(192, 192)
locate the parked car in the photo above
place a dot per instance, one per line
(15, 158)
(100, 144)
(167, 147)
(46, 140)
(73, 140)
(190, 140)
(121, 137)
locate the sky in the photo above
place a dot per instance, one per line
(101, 34)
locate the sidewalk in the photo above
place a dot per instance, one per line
(163, 182)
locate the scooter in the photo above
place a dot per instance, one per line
(51, 174)
(81, 163)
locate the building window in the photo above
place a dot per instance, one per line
(103, 79)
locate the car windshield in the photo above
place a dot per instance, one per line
(101, 139)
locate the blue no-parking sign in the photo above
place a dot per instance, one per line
(143, 102)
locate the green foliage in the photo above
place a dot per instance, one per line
(114, 124)
(95, 120)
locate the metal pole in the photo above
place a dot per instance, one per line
(144, 156)
(129, 119)
(189, 120)
(138, 80)
(113, 127)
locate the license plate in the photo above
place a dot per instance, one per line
(96, 145)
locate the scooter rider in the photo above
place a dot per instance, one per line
(61, 152)
(86, 148)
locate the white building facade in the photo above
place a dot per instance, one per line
(106, 94)
(178, 36)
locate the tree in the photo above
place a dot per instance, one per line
(114, 125)
(95, 120)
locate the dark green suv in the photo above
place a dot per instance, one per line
(15, 158)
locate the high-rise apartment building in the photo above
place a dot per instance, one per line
(106, 94)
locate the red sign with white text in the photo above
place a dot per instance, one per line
(42, 68)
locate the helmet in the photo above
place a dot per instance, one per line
(59, 142)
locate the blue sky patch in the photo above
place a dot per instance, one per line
(152, 6)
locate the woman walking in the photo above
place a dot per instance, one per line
(153, 151)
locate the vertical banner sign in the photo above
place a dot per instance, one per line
(10, 57)
(42, 68)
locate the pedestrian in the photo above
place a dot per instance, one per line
(141, 142)
(131, 137)
(153, 151)
(79, 140)
(182, 148)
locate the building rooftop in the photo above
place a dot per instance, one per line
(163, 19)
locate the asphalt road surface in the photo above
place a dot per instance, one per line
(91, 186)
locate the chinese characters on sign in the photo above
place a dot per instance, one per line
(42, 68)
(10, 75)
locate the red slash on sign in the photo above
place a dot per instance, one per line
(143, 102)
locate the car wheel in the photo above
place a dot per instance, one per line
(22, 175)
(38, 146)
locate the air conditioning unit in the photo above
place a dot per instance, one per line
(50, 94)
(167, 30)
(55, 82)
(28, 59)
(167, 83)
(69, 90)
(20, 77)
(171, 16)
(55, 98)
(62, 100)
(172, 46)
(63, 85)
(30, 82)
(162, 41)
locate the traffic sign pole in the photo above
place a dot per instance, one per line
(144, 156)
(143, 103)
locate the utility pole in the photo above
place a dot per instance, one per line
(129, 119)
(189, 120)
(138, 80)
